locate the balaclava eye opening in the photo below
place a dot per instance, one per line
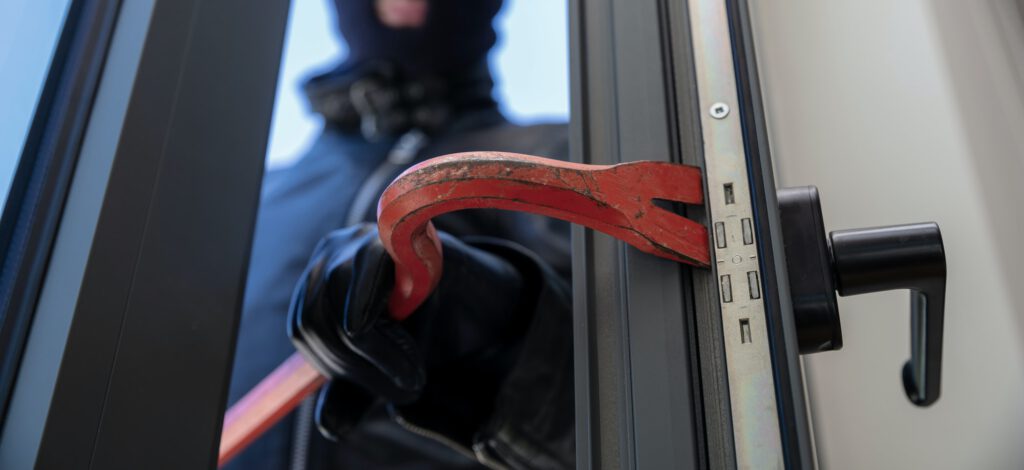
(456, 36)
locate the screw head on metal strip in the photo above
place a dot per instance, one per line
(719, 110)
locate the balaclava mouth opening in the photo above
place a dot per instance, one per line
(456, 36)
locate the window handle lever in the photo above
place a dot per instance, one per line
(901, 257)
(860, 261)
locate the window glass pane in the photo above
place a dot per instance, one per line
(531, 61)
(311, 44)
(29, 30)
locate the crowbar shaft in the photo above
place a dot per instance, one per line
(617, 200)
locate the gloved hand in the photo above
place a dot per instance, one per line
(477, 364)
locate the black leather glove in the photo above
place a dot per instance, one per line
(479, 364)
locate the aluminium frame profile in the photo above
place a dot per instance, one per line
(127, 363)
(635, 97)
(40, 186)
(638, 397)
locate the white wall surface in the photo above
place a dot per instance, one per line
(905, 111)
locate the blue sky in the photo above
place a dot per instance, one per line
(530, 65)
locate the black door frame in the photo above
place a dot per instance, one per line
(128, 357)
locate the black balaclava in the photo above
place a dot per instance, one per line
(457, 35)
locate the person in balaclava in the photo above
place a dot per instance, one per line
(480, 376)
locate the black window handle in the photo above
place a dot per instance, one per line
(901, 257)
(860, 261)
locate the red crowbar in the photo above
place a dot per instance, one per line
(613, 199)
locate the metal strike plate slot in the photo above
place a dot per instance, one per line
(745, 330)
(753, 285)
(726, 289)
